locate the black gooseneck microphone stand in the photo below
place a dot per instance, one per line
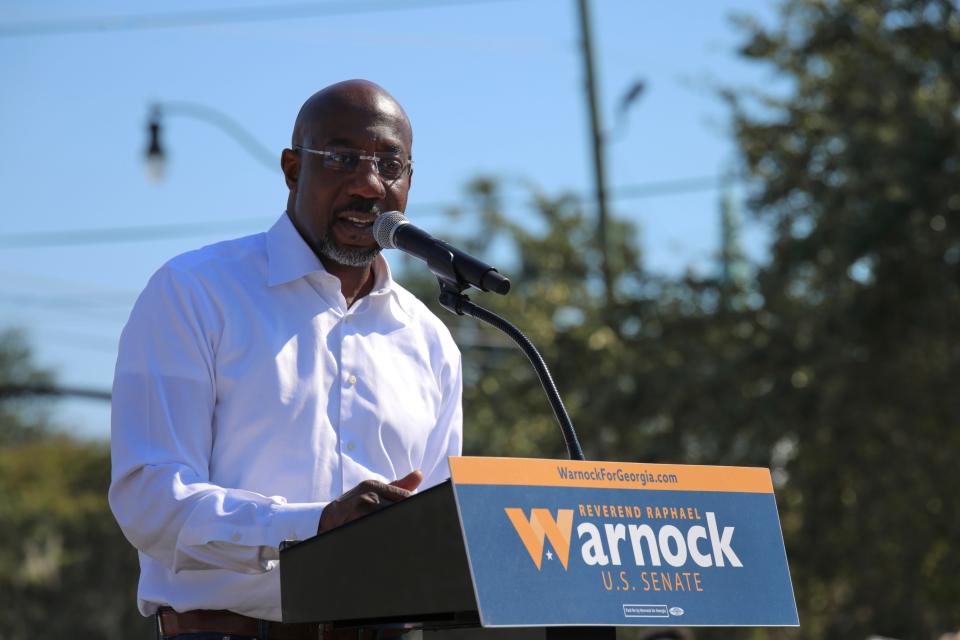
(454, 300)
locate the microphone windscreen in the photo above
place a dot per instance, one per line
(384, 227)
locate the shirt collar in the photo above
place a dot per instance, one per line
(289, 257)
(385, 285)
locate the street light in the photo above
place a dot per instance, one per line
(155, 155)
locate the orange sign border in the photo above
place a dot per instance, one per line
(467, 470)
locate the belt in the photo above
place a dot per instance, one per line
(173, 623)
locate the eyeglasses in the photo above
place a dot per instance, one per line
(390, 166)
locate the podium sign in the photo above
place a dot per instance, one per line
(557, 542)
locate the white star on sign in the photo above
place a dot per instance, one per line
(549, 555)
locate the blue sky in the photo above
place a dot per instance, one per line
(492, 88)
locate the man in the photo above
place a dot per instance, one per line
(281, 384)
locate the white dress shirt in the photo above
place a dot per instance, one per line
(247, 395)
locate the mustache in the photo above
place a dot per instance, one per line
(362, 205)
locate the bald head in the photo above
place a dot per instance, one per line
(360, 97)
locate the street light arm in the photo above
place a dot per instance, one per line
(225, 123)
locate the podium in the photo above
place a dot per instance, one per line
(405, 565)
(528, 548)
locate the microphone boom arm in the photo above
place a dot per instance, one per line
(454, 300)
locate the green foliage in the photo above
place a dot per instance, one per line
(646, 378)
(859, 171)
(839, 372)
(21, 418)
(66, 570)
(556, 301)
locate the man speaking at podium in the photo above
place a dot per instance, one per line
(280, 384)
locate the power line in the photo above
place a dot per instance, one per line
(71, 300)
(51, 305)
(113, 235)
(47, 281)
(150, 233)
(225, 15)
(140, 233)
(79, 340)
(667, 187)
(20, 390)
(101, 311)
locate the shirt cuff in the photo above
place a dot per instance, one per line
(294, 521)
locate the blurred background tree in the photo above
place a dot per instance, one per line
(20, 417)
(858, 169)
(66, 570)
(837, 367)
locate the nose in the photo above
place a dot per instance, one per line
(365, 182)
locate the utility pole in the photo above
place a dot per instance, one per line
(596, 128)
(733, 265)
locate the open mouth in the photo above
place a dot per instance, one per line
(358, 221)
(355, 228)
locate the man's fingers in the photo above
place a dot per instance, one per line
(349, 506)
(410, 481)
(398, 489)
(370, 499)
(366, 497)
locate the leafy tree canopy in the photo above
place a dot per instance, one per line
(858, 169)
(66, 570)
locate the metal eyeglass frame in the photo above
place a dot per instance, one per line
(407, 164)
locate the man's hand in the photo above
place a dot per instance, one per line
(367, 497)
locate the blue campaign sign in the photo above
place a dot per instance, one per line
(557, 542)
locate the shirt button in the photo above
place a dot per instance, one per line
(351, 446)
(352, 380)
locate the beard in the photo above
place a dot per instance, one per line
(326, 246)
(329, 248)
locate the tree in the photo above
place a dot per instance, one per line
(839, 373)
(857, 168)
(65, 568)
(653, 377)
(557, 301)
(20, 418)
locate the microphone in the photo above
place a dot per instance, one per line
(392, 230)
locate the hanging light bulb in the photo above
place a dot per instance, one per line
(155, 156)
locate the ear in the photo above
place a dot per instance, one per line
(290, 164)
